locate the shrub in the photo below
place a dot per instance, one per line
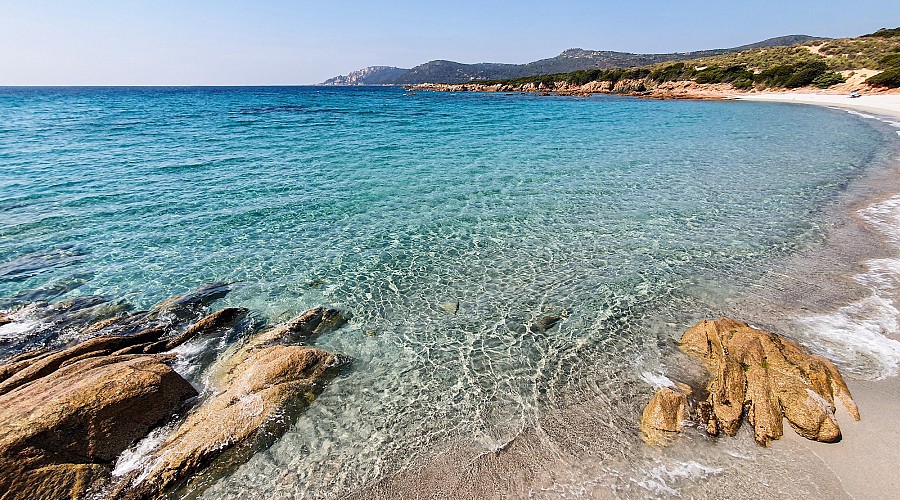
(743, 83)
(826, 80)
(890, 60)
(887, 78)
(885, 33)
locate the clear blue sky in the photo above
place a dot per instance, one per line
(168, 42)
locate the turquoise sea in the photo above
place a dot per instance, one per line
(450, 226)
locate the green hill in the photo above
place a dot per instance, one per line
(818, 62)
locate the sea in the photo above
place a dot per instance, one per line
(517, 268)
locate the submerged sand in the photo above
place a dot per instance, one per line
(862, 465)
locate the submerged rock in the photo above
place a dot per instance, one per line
(450, 307)
(258, 391)
(757, 374)
(187, 305)
(216, 321)
(59, 434)
(547, 320)
(79, 318)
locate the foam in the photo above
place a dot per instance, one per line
(661, 479)
(857, 113)
(859, 334)
(18, 329)
(138, 455)
(657, 380)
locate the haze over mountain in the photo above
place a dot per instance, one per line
(441, 71)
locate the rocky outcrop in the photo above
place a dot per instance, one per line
(373, 75)
(256, 391)
(67, 413)
(60, 434)
(768, 379)
(665, 414)
(630, 87)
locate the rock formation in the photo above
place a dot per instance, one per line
(60, 433)
(67, 413)
(762, 376)
(256, 390)
(665, 414)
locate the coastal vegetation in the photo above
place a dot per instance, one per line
(819, 63)
(890, 77)
(568, 61)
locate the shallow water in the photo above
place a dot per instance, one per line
(627, 219)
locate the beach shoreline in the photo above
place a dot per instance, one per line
(875, 440)
(562, 445)
(878, 104)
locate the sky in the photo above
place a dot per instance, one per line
(281, 42)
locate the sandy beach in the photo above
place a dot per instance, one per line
(875, 440)
(881, 104)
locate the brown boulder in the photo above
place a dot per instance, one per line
(768, 378)
(665, 414)
(18, 373)
(60, 433)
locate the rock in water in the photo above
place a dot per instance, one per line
(216, 321)
(256, 391)
(768, 378)
(665, 414)
(60, 433)
(451, 307)
(185, 306)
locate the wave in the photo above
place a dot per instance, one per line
(860, 333)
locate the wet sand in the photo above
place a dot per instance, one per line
(866, 460)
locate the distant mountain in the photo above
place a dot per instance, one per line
(373, 75)
(570, 60)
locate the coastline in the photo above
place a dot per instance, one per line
(880, 104)
(529, 450)
(874, 440)
(850, 244)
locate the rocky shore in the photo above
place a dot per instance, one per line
(754, 374)
(628, 87)
(67, 413)
(685, 89)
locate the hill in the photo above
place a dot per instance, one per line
(868, 62)
(441, 71)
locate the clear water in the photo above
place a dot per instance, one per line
(630, 218)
